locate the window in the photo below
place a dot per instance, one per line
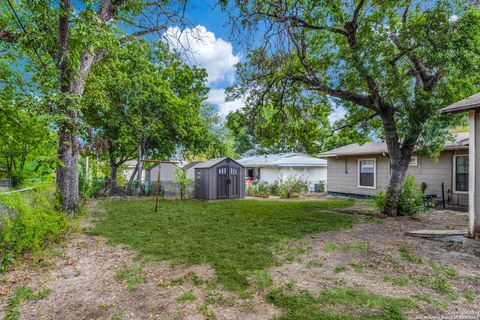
(250, 173)
(366, 173)
(233, 171)
(461, 173)
(413, 161)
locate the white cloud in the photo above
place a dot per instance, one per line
(453, 18)
(203, 48)
(217, 97)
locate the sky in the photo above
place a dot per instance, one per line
(208, 46)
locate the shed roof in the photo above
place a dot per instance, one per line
(283, 160)
(191, 165)
(212, 162)
(464, 105)
(461, 142)
(175, 163)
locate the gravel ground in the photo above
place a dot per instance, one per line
(81, 273)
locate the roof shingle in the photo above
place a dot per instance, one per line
(466, 104)
(461, 142)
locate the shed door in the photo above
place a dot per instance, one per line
(222, 182)
(234, 185)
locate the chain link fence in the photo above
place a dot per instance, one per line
(144, 188)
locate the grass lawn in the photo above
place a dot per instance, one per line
(237, 238)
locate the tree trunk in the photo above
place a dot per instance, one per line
(400, 155)
(140, 164)
(67, 173)
(113, 173)
(397, 178)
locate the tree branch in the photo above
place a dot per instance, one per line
(362, 100)
(316, 84)
(353, 123)
(356, 13)
(7, 36)
(424, 79)
(143, 33)
(299, 22)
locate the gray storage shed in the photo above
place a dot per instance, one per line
(221, 178)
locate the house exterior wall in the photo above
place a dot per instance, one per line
(342, 175)
(311, 174)
(166, 172)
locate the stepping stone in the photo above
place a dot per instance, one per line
(436, 233)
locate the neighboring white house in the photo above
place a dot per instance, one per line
(166, 172)
(151, 174)
(128, 169)
(277, 167)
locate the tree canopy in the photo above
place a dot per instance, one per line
(146, 97)
(391, 63)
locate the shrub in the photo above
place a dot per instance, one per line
(182, 180)
(321, 187)
(293, 187)
(92, 188)
(259, 189)
(27, 222)
(275, 188)
(411, 200)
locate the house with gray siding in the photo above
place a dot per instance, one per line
(363, 170)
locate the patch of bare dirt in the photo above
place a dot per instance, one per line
(363, 256)
(83, 286)
(81, 274)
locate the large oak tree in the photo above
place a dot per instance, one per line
(397, 62)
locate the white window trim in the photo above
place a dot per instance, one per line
(455, 173)
(374, 173)
(413, 161)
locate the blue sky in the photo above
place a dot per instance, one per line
(208, 44)
(216, 52)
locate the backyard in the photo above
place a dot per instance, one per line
(245, 259)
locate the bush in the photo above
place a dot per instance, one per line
(411, 200)
(275, 188)
(182, 180)
(27, 222)
(293, 187)
(93, 188)
(321, 187)
(260, 189)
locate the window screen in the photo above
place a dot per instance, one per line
(367, 173)
(461, 173)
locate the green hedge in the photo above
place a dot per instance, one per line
(28, 220)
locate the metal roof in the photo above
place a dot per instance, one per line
(283, 160)
(466, 104)
(461, 142)
(210, 163)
